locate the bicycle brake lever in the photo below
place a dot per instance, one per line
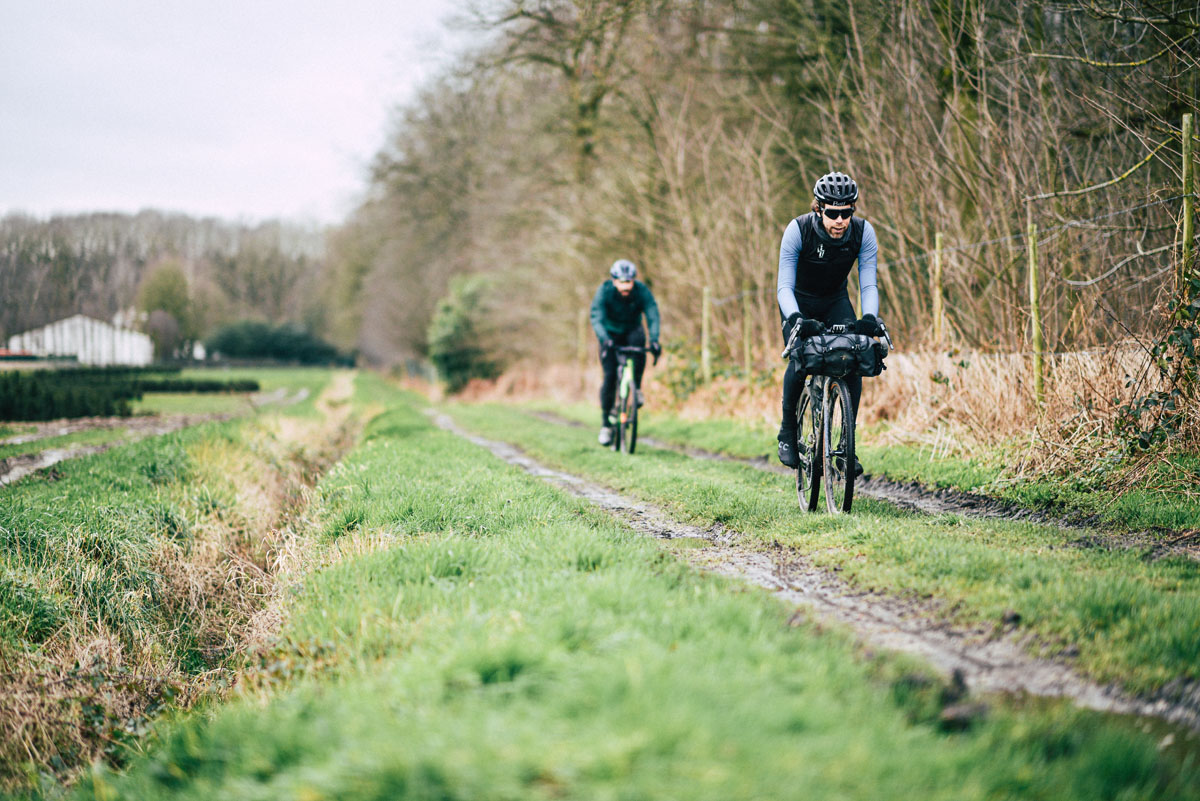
(791, 343)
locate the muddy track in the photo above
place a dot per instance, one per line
(913, 496)
(140, 426)
(984, 660)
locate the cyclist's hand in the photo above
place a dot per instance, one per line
(656, 350)
(605, 347)
(869, 325)
(789, 324)
(810, 327)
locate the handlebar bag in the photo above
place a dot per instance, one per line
(840, 355)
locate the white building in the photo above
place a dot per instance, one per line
(89, 340)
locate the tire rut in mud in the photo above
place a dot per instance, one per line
(914, 497)
(982, 659)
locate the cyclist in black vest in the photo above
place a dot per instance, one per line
(815, 258)
(617, 313)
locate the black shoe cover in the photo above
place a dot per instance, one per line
(787, 454)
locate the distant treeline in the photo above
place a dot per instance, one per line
(95, 392)
(685, 136)
(250, 339)
(104, 264)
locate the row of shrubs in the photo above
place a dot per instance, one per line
(250, 339)
(98, 392)
(31, 397)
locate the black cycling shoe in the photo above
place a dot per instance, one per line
(858, 468)
(788, 453)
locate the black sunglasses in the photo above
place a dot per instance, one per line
(834, 214)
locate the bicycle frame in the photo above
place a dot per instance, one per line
(623, 417)
(827, 449)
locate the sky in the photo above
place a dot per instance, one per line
(245, 110)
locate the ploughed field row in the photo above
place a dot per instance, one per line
(471, 631)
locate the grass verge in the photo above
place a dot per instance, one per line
(1121, 617)
(487, 637)
(130, 582)
(1156, 502)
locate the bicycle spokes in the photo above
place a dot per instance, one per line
(838, 445)
(808, 474)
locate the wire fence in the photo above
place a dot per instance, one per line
(1033, 240)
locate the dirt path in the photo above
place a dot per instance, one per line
(915, 497)
(17, 467)
(139, 426)
(982, 660)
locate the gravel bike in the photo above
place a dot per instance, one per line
(825, 414)
(624, 416)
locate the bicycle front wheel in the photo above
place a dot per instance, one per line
(808, 441)
(629, 422)
(837, 446)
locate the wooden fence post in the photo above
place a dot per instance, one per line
(705, 329)
(937, 289)
(1035, 314)
(1186, 268)
(746, 307)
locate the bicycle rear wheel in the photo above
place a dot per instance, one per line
(838, 446)
(808, 474)
(629, 421)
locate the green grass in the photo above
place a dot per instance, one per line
(1079, 497)
(270, 379)
(172, 403)
(94, 565)
(100, 436)
(1131, 620)
(504, 641)
(7, 431)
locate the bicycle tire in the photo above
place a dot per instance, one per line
(619, 422)
(808, 474)
(629, 440)
(837, 431)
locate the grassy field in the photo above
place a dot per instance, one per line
(1128, 619)
(129, 582)
(288, 380)
(1157, 502)
(475, 634)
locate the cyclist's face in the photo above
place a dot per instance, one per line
(836, 226)
(624, 287)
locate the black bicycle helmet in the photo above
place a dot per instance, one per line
(837, 188)
(623, 270)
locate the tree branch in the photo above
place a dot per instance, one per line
(1086, 189)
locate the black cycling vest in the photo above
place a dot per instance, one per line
(824, 262)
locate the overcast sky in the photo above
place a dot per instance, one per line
(245, 110)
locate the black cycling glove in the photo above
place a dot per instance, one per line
(605, 346)
(810, 327)
(656, 349)
(869, 325)
(789, 324)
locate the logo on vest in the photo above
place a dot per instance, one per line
(820, 251)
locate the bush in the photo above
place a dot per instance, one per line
(94, 392)
(250, 339)
(453, 338)
(50, 395)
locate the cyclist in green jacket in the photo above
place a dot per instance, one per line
(617, 313)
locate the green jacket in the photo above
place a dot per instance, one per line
(613, 314)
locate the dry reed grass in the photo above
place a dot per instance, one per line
(84, 693)
(960, 403)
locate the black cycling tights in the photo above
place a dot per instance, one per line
(608, 390)
(830, 311)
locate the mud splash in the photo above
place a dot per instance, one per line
(985, 660)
